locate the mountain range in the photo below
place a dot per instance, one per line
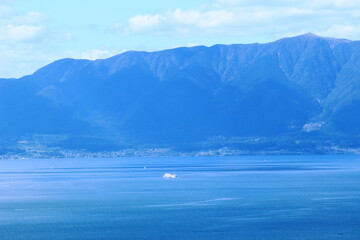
(298, 94)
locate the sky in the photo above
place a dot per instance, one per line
(34, 33)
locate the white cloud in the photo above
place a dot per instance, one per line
(252, 2)
(31, 40)
(275, 3)
(342, 31)
(336, 3)
(141, 23)
(207, 19)
(22, 60)
(91, 54)
(19, 27)
(178, 20)
(21, 36)
(248, 18)
(20, 33)
(28, 18)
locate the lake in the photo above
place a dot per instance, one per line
(246, 197)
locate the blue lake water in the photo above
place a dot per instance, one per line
(247, 197)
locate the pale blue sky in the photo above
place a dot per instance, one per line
(34, 33)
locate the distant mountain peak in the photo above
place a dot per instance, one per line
(311, 35)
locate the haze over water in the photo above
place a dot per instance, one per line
(247, 197)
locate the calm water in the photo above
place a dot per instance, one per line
(260, 197)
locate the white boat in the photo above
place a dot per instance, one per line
(169, 175)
